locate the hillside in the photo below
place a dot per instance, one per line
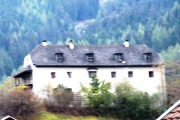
(24, 24)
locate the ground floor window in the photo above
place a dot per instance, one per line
(53, 74)
(92, 73)
(113, 74)
(69, 74)
(151, 74)
(130, 73)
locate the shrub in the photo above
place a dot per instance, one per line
(19, 102)
(60, 101)
(63, 98)
(98, 94)
(134, 104)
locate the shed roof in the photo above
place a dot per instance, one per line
(23, 71)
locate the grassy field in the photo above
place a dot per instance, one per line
(52, 116)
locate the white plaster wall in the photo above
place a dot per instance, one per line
(27, 61)
(140, 79)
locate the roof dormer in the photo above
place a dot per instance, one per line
(59, 57)
(118, 57)
(148, 56)
(90, 57)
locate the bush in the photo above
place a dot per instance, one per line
(98, 94)
(134, 104)
(19, 102)
(126, 103)
(63, 98)
(61, 101)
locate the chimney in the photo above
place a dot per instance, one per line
(44, 43)
(71, 45)
(126, 43)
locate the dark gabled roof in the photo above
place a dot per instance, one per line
(23, 71)
(103, 55)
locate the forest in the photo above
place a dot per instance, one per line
(25, 23)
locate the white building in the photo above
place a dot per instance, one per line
(72, 64)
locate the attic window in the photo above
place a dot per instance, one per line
(90, 57)
(59, 57)
(118, 57)
(148, 57)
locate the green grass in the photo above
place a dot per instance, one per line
(53, 116)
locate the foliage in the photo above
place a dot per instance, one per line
(60, 100)
(172, 82)
(172, 73)
(7, 86)
(172, 53)
(134, 104)
(172, 70)
(5, 62)
(20, 101)
(52, 116)
(25, 24)
(155, 24)
(98, 94)
(127, 103)
(63, 98)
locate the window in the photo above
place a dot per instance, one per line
(130, 74)
(118, 57)
(90, 57)
(113, 74)
(59, 57)
(151, 74)
(53, 75)
(148, 57)
(92, 73)
(69, 74)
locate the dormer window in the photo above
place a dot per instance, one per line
(118, 57)
(148, 57)
(90, 57)
(59, 57)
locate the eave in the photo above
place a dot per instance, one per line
(25, 70)
(148, 65)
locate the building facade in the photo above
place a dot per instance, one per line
(71, 65)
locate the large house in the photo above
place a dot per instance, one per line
(72, 64)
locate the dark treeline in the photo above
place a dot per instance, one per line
(155, 23)
(25, 23)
